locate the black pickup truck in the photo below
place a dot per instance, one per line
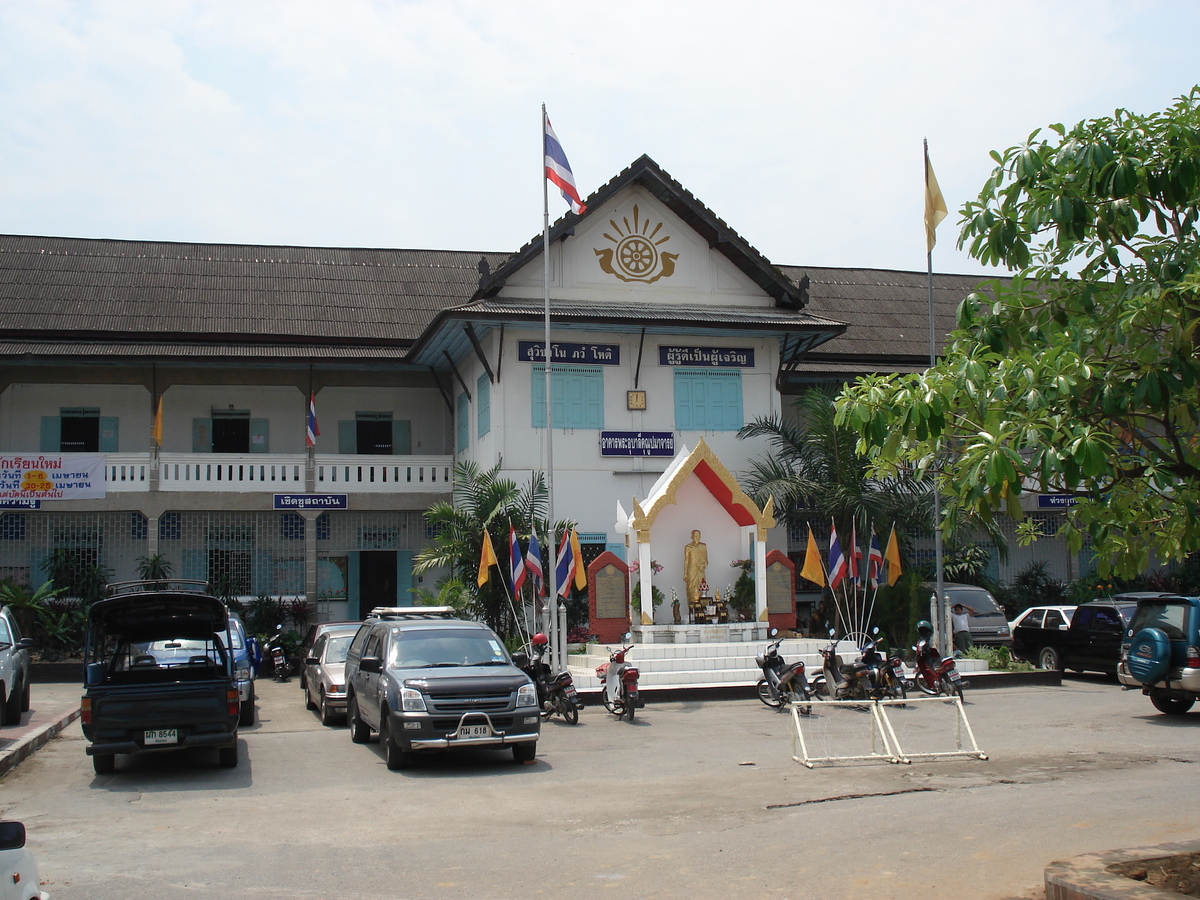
(1091, 644)
(158, 673)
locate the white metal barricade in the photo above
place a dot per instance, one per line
(882, 742)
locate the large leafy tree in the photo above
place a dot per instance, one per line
(1079, 375)
(483, 500)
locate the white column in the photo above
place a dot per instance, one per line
(644, 576)
(760, 575)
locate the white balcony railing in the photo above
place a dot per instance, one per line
(384, 474)
(281, 472)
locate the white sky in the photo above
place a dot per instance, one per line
(380, 123)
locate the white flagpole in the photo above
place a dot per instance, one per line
(557, 657)
(942, 628)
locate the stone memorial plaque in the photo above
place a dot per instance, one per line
(609, 587)
(779, 589)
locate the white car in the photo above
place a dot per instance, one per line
(19, 879)
(14, 669)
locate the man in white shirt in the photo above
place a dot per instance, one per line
(960, 624)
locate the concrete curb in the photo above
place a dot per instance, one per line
(35, 738)
(1087, 877)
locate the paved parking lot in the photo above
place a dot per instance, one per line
(695, 799)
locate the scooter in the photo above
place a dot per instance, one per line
(621, 696)
(839, 680)
(935, 674)
(885, 674)
(279, 658)
(556, 693)
(782, 683)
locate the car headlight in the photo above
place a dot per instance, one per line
(527, 695)
(412, 700)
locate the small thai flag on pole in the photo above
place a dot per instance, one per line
(311, 431)
(516, 563)
(558, 170)
(533, 562)
(838, 567)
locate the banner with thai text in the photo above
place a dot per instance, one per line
(51, 476)
(720, 357)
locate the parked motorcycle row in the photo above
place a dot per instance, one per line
(868, 675)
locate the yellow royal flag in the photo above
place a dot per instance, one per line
(812, 562)
(935, 204)
(580, 569)
(486, 559)
(156, 430)
(892, 557)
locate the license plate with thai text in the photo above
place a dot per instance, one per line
(474, 731)
(162, 736)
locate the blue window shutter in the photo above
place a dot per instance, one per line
(404, 578)
(51, 437)
(537, 397)
(683, 401)
(348, 437)
(201, 437)
(728, 387)
(402, 437)
(463, 422)
(108, 434)
(260, 441)
(483, 405)
(594, 401)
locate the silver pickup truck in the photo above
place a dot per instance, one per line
(158, 673)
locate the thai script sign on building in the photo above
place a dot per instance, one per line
(1056, 501)
(637, 443)
(311, 501)
(49, 476)
(578, 354)
(722, 357)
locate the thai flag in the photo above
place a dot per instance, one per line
(533, 562)
(558, 170)
(874, 562)
(516, 564)
(311, 431)
(838, 567)
(565, 573)
(855, 555)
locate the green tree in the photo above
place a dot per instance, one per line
(1079, 375)
(815, 473)
(482, 499)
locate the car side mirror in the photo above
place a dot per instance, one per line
(12, 835)
(521, 659)
(1063, 626)
(311, 661)
(25, 643)
(94, 673)
(371, 664)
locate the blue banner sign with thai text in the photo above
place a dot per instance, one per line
(1056, 501)
(311, 501)
(722, 357)
(637, 443)
(578, 354)
(20, 504)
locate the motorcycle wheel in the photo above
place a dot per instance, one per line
(613, 706)
(767, 696)
(629, 709)
(924, 687)
(819, 691)
(950, 689)
(569, 711)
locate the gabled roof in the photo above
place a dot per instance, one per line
(646, 173)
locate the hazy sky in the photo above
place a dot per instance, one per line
(380, 123)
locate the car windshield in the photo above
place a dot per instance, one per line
(1171, 618)
(336, 647)
(421, 649)
(976, 598)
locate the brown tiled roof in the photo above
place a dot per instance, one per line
(108, 289)
(887, 312)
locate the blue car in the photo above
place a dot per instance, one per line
(244, 668)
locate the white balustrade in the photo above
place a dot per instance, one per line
(127, 471)
(230, 472)
(383, 474)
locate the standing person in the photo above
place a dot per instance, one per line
(960, 624)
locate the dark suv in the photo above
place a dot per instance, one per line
(428, 681)
(1161, 652)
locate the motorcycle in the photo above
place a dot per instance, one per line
(935, 674)
(885, 674)
(556, 693)
(782, 683)
(279, 658)
(840, 680)
(620, 679)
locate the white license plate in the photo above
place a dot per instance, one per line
(474, 731)
(162, 736)
(954, 676)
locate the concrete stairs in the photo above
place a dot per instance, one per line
(707, 665)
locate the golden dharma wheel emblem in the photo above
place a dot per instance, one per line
(635, 255)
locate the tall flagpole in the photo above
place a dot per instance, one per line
(557, 657)
(938, 556)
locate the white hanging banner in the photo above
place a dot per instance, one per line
(51, 476)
